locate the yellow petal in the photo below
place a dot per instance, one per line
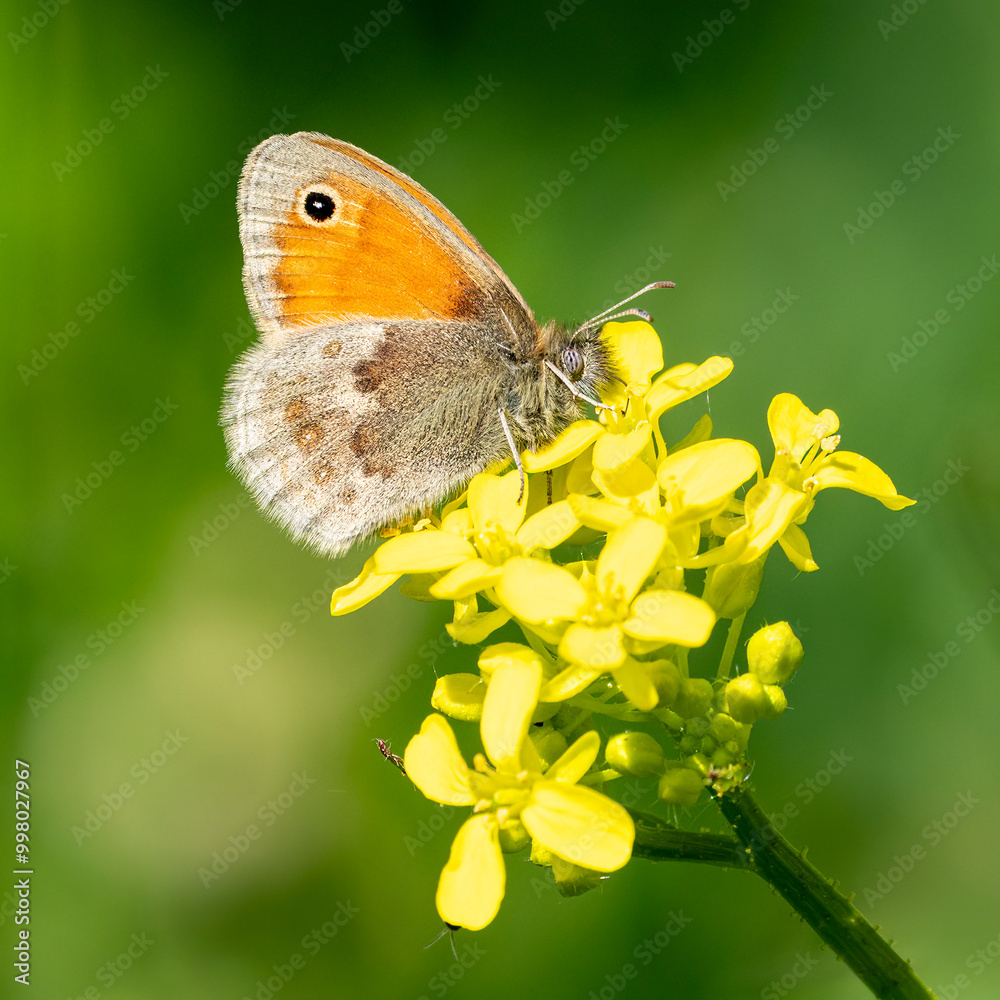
(593, 648)
(579, 825)
(465, 579)
(472, 627)
(472, 883)
(364, 588)
(458, 522)
(633, 479)
(629, 557)
(634, 682)
(538, 592)
(579, 478)
(844, 468)
(599, 514)
(636, 351)
(568, 682)
(612, 451)
(671, 616)
(510, 699)
(493, 500)
(698, 481)
(795, 428)
(422, 552)
(570, 443)
(460, 695)
(576, 760)
(771, 506)
(684, 382)
(500, 653)
(435, 766)
(796, 547)
(548, 528)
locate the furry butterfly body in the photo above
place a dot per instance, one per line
(396, 358)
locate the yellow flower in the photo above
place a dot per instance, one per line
(805, 462)
(510, 791)
(601, 618)
(466, 553)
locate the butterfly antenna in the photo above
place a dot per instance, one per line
(603, 317)
(448, 929)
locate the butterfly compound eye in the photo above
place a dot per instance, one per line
(572, 363)
(319, 206)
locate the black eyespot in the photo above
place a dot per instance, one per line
(319, 206)
(573, 363)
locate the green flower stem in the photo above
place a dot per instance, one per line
(656, 840)
(815, 899)
(735, 628)
(618, 711)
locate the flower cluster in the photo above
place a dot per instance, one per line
(617, 560)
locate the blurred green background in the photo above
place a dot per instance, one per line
(128, 602)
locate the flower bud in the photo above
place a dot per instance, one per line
(724, 728)
(680, 786)
(574, 880)
(513, 838)
(549, 742)
(694, 697)
(748, 700)
(774, 653)
(460, 695)
(731, 589)
(666, 679)
(635, 755)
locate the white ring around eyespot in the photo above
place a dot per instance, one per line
(300, 203)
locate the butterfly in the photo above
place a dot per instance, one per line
(396, 359)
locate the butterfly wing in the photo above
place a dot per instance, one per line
(330, 233)
(375, 388)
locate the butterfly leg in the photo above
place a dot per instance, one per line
(513, 449)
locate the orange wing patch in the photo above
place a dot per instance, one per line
(371, 258)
